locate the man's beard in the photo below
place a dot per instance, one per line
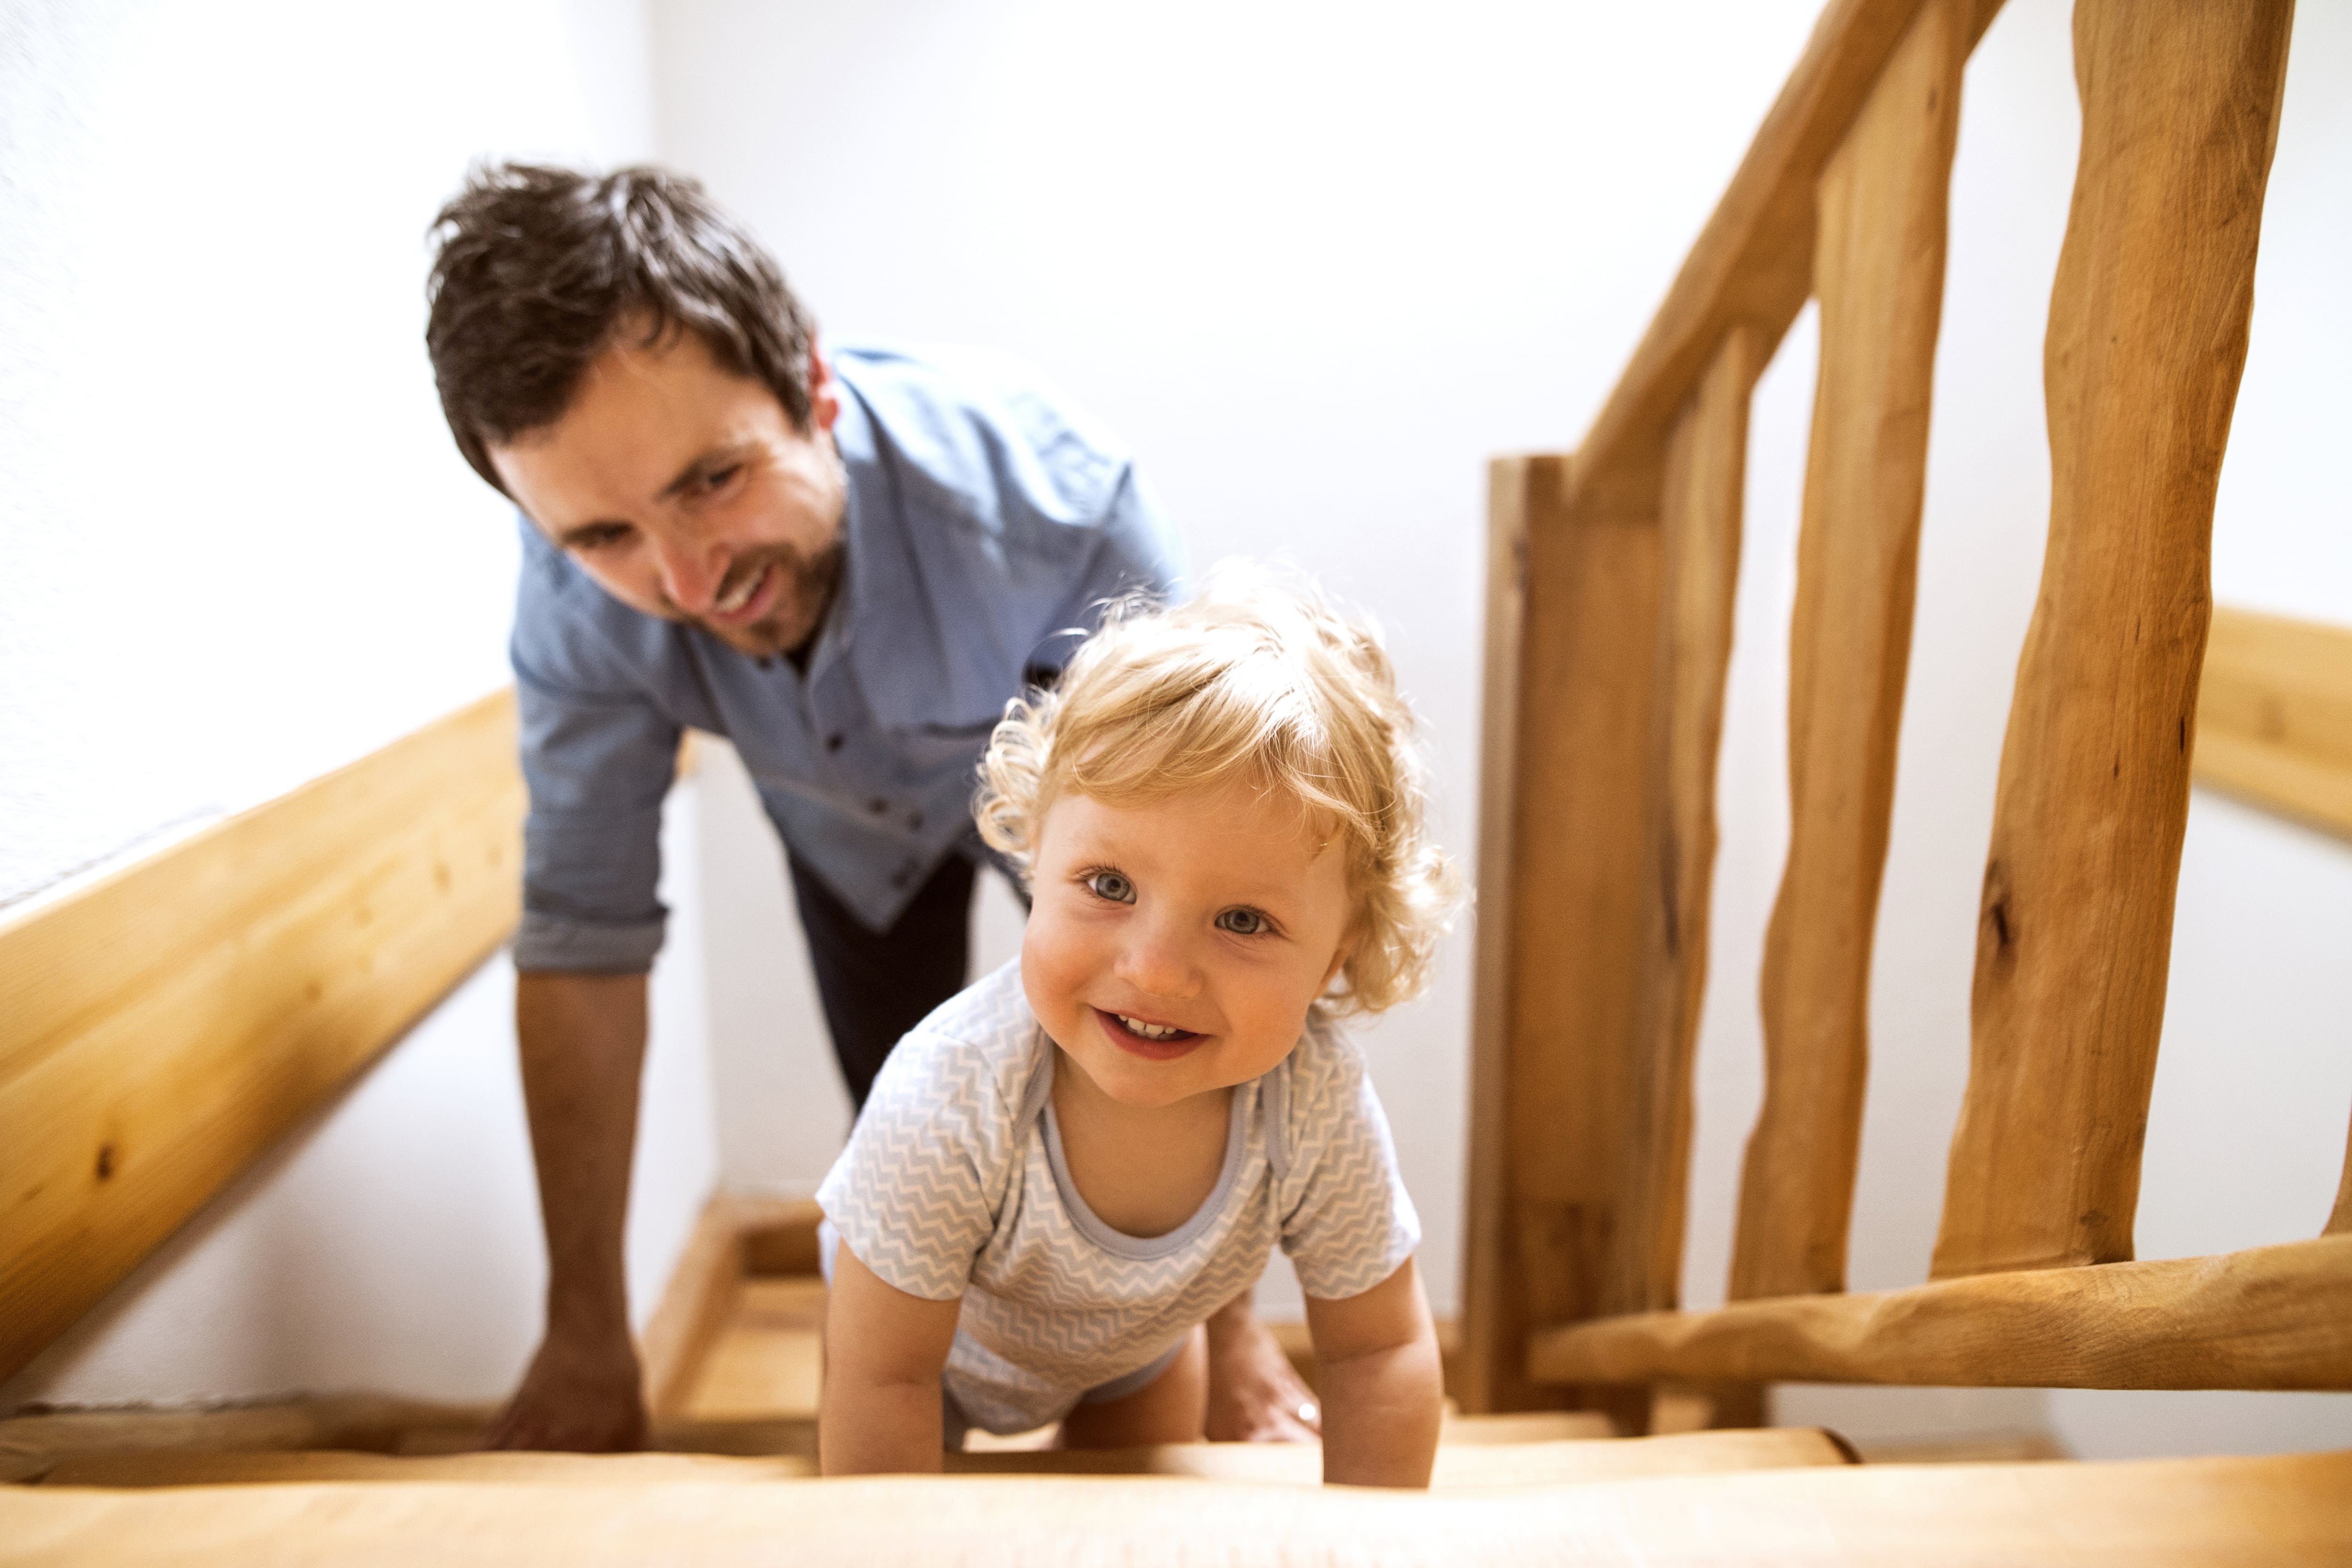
(809, 582)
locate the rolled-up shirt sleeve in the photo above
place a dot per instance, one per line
(599, 758)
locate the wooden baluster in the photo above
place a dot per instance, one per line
(1700, 521)
(1879, 274)
(1571, 632)
(2147, 336)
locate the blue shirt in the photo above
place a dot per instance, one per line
(986, 523)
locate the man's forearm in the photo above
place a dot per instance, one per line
(583, 1040)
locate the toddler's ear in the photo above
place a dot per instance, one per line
(1346, 950)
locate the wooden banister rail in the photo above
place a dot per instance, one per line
(2274, 717)
(1753, 263)
(161, 1028)
(2268, 1317)
(1611, 577)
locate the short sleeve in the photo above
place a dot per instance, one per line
(1349, 1225)
(911, 1194)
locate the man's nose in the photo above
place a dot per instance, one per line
(1159, 961)
(692, 571)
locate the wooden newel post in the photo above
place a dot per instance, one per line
(2147, 337)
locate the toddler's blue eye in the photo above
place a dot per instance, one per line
(1113, 886)
(1242, 922)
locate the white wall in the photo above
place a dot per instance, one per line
(241, 551)
(1318, 261)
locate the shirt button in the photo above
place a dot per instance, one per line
(878, 806)
(833, 742)
(901, 876)
(915, 822)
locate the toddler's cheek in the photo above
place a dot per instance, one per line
(1052, 976)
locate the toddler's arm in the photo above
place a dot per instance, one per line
(1381, 1385)
(883, 1351)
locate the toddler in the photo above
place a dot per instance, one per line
(1071, 1164)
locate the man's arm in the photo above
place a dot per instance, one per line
(582, 1040)
(1383, 1387)
(884, 1349)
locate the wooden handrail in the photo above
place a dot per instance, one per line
(1753, 262)
(2274, 717)
(163, 1027)
(2270, 1317)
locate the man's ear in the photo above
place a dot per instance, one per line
(825, 391)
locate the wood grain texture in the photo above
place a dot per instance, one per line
(694, 1307)
(2275, 716)
(1578, 891)
(1277, 1463)
(162, 1028)
(1560, 933)
(2270, 1317)
(1879, 271)
(1493, 1313)
(1753, 263)
(2291, 1512)
(735, 1237)
(2147, 336)
(1699, 526)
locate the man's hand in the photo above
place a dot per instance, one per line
(579, 1397)
(1255, 1394)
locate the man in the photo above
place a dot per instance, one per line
(847, 566)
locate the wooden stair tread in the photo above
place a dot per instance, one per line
(1292, 1463)
(2292, 1509)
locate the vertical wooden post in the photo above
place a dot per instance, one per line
(1571, 637)
(1699, 524)
(1878, 267)
(2147, 336)
(1494, 1308)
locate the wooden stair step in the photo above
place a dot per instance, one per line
(2286, 1511)
(1291, 1464)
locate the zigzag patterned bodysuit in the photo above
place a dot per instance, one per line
(954, 1184)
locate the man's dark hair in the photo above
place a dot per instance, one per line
(537, 270)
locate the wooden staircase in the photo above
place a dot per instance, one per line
(159, 1031)
(359, 1479)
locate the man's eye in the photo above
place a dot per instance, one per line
(717, 479)
(597, 538)
(1111, 885)
(1243, 922)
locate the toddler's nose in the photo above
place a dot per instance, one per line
(1160, 963)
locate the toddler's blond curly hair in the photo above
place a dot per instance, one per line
(1249, 680)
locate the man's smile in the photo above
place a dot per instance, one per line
(737, 603)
